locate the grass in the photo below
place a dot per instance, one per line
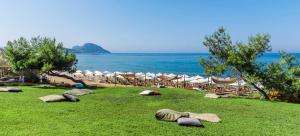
(121, 111)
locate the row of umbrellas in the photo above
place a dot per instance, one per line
(149, 76)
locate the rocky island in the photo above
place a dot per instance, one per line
(89, 48)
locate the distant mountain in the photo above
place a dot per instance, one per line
(89, 48)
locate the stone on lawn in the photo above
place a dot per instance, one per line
(52, 98)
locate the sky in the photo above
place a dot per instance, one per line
(151, 25)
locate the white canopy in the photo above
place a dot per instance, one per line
(78, 71)
(98, 73)
(242, 83)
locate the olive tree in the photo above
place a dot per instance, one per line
(43, 54)
(241, 59)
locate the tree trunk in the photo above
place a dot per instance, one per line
(67, 77)
(259, 89)
(255, 86)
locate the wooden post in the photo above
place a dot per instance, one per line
(22, 77)
(145, 79)
(184, 81)
(239, 85)
(177, 81)
(115, 79)
(154, 79)
(134, 84)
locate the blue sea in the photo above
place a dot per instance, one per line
(177, 63)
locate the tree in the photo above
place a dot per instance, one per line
(282, 76)
(19, 55)
(43, 54)
(241, 59)
(3, 60)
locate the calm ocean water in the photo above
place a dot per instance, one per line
(178, 63)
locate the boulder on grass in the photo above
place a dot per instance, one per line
(71, 98)
(169, 115)
(78, 92)
(210, 117)
(189, 122)
(52, 98)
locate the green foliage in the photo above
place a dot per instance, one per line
(40, 53)
(241, 59)
(19, 54)
(282, 77)
(3, 60)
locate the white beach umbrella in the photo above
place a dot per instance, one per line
(98, 73)
(159, 74)
(129, 73)
(89, 73)
(171, 75)
(195, 81)
(150, 74)
(149, 77)
(119, 76)
(188, 79)
(198, 77)
(242, 83)
(110, 75)
(139, 74)
(118, 72)
(203, 80)
(78, 71)
(184, 75)
(106, 72)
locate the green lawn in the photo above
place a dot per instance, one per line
(121, 111)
